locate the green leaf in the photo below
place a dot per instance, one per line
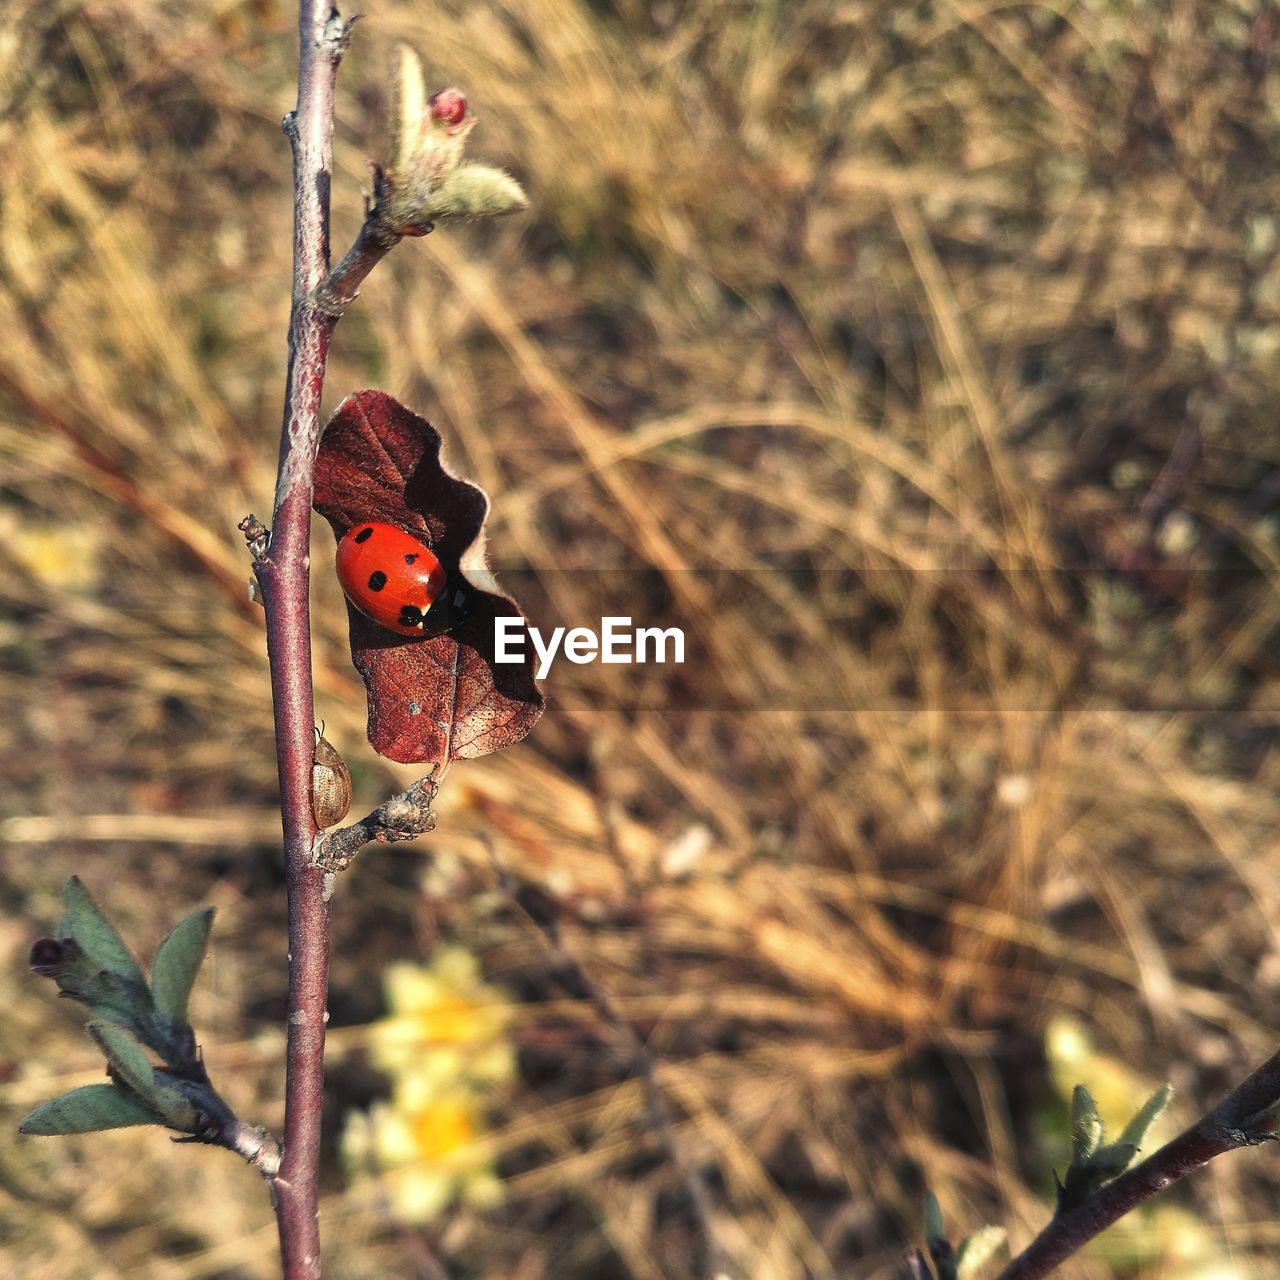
(126, 1056)
(933, 1225)
(178, 962)
(1110, 1161)
(1135, 1132)
(977, 1250)
(134, 1072)
(1086, 1126)
(96, 937)
(173, 1106)
(87, 1110)
(408, 108)
(476, 191)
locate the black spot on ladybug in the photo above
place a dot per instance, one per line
(377, 580)
(363, 536)
(411, 557)
(411, 616)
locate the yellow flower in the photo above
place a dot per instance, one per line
(445, 1025)
(444, 1042)
(422, 1158)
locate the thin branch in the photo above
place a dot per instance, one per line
(282, 571)
(221, 1127)
(281, 563)
(340, 288)
(1241, 1119)
(403, 817)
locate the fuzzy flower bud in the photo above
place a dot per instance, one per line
(425, 179)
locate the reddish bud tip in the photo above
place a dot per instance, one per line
(46, 956)
(448, 106)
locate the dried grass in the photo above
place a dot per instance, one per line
(918, 359)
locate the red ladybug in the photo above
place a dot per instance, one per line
(389, 576)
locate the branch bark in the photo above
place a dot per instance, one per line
(1241, 1119)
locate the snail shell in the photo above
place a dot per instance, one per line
(330, 784)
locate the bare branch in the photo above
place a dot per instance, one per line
(376, 239)
(282, 571)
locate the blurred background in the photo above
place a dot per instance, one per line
(922, 360)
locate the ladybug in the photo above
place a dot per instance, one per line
(390, 577)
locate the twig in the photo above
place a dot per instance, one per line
(377, 238)
(1241, 1119)
(221, 1127)
(282, 571)
(403, 817)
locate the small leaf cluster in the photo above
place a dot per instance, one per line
(425, 180)
(964, 1261)
(90, 963)
(1095, 1161)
